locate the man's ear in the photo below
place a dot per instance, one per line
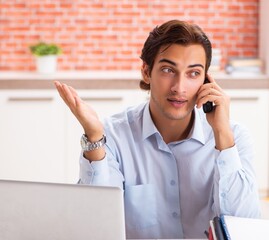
(145, 73)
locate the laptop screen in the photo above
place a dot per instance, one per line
(31, 210)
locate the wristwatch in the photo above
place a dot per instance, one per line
(89, 146)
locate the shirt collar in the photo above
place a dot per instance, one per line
(149, 127)
(196, 133)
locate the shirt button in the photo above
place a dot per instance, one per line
(174, 214)
(221, 162)
(89, 173)
(172, 182)
(223, 195)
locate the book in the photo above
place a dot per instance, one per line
(245, 66)
(212, 229)
(246, 62)
(218, 228)
(238, 228)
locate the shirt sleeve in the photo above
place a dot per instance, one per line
(103, 173)
(94, 173)
(235, 179)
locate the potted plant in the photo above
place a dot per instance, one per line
(46, 56)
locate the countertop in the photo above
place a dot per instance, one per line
(113, 80)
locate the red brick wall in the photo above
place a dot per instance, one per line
(109, 34)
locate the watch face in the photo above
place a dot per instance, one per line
(83, 142)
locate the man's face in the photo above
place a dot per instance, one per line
(177, 74)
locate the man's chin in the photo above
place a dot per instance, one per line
(177, 116)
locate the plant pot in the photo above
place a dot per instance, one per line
(46, 64)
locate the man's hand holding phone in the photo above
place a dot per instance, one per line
(208, 106)
(218, 116)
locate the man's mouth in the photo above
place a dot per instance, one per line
(177, 101)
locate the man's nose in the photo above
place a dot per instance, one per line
(178, 84)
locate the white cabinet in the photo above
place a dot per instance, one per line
(250, 107)
(40, 137)
(31, 134)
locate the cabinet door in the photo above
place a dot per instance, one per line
(250, 107)
(32, 134)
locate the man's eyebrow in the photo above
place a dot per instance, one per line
(174, 64)
(168, 61)
(196, 65)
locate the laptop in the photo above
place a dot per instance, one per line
(49, 211)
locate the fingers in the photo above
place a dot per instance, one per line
(209, 92)
(212, 83)
(69, 96)
(210, 78)
(67, 93)
(60, 90)
(73, 91)
(212, 96)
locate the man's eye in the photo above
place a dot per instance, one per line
(167, 70)
(195, 74)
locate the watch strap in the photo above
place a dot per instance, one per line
(90, 146)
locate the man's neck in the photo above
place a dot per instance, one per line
(174, 130)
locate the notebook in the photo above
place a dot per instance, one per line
(237, 228)
(31, 211)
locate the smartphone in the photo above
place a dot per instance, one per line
(208, 106)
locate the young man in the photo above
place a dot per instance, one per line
(178, 166)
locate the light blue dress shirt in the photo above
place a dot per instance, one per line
(173, 190)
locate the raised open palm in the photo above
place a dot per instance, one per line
(82, 111)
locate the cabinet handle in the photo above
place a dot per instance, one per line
(101, 99)
(244, 98)
(30, 99)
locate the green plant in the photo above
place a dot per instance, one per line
(44, 49)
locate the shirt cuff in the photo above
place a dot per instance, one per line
(228, 161)
(95, 173)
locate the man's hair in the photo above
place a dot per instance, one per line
(173, 32)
